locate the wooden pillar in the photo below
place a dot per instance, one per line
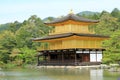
(45, 57)
(45, 60)
(96, 55)
(62, 56)
(75, 57)
(48, 57)
(89, 56)
(102, 55)
(59, 57)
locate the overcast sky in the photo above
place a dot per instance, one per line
(12, 10)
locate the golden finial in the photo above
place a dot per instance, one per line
(71, 11)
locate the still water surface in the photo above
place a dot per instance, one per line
(58, 74)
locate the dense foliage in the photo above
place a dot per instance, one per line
(16, 46)
(109, 25)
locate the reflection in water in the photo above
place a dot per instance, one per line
(57, 74)
(96, 74)
(66, 74)
(2, 73)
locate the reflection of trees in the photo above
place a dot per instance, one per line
(67, 74)
(111, 74)
(58, 74)
(2, 73)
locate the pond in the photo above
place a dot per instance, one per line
(58, 74)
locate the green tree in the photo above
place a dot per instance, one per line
(7, 43)
(31, 28)
(115, 13)
(16, 44)
(112, 46)
(48, 19)
(110, 26)
(13, 27)
(104, 12)
(4, 27)
(95, 16)
(107, 25)
(27, 55)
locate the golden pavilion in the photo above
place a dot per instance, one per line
(71, 43)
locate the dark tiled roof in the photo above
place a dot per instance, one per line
(71, 17)
(68, 35)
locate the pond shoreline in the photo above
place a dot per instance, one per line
(111, 68)
(75, 67)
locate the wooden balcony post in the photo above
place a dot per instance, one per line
(62, 57)
(75, 57)
(48, 57)
(96, 54)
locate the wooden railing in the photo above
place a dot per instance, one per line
(67, 63)
(54, 63)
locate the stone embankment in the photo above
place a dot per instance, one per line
(75, 67)
(111, 67)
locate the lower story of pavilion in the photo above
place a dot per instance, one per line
(70, 57)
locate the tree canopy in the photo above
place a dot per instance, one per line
(109, 25)
(16, 41)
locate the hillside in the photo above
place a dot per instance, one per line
(87, 13)
(4, 27)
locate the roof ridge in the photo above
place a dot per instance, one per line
(68, 35)
(72, 17)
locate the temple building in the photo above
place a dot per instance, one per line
(71, 42)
